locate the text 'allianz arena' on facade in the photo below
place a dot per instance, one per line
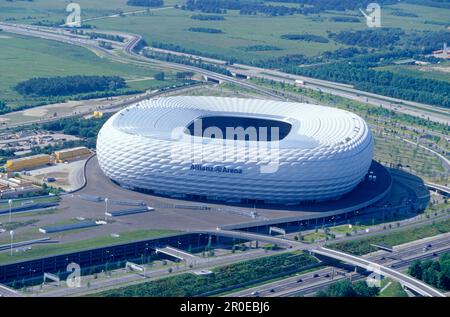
(289, 152)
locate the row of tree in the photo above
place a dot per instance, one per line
(96, 35)
(69, 85)
(244, 7)
(181, 49)
(378, 38)
(264, 6)
(146, 3)
(436, 273)
(260, 48)
(386, 38)
(386, 83)
(345, 19)
(223, 278)
(305, 37)
(205, 30)
(335, 5)
(186, 61)
(443, 4)
(207, 17)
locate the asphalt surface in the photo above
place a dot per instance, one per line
(309, 283)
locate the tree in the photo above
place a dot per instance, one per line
(146, 3)
(444, 278)
(436, 273)
(347, 289)
(363, 290)
(415, 269)
(160, 76)
(341, 289)
(69, 85)
(429, 276)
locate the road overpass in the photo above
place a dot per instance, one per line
(179, 254)
(259, 237)
(8, 292)
(406, 280)
(441, 189)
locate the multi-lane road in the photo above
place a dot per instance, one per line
(309, 283)
(130, 56)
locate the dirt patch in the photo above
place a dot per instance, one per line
(44, 110)
(444, 69)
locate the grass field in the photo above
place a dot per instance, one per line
(27, 57)
(436, 72)
(391, 288)
(364, 246)
(39, 251)
(390, 150)
(239, 31)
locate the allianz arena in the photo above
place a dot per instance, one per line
(190, 148)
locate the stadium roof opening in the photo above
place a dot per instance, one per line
(239, 128)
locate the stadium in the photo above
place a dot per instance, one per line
(236, 150)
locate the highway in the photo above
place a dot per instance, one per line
(309, 283)
(121, 280)
(406, 280)
(338, 89)
(9, 292)
(424, 111)
(416, 109)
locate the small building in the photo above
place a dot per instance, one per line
(444, 53)
(11, 187)
(71, 154)
(27, 163)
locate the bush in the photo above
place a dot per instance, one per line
(145, 3)
(205, 30)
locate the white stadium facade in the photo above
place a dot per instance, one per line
(236, 150)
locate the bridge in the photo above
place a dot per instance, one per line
(441, 189)
(179, 254)
(8, 292)
(260, 237)
(406, 280)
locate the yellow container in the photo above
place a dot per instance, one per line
(71, 154)
(27, 163)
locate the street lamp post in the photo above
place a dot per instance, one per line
(10, 207)
(106, 209)
(11, 233)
